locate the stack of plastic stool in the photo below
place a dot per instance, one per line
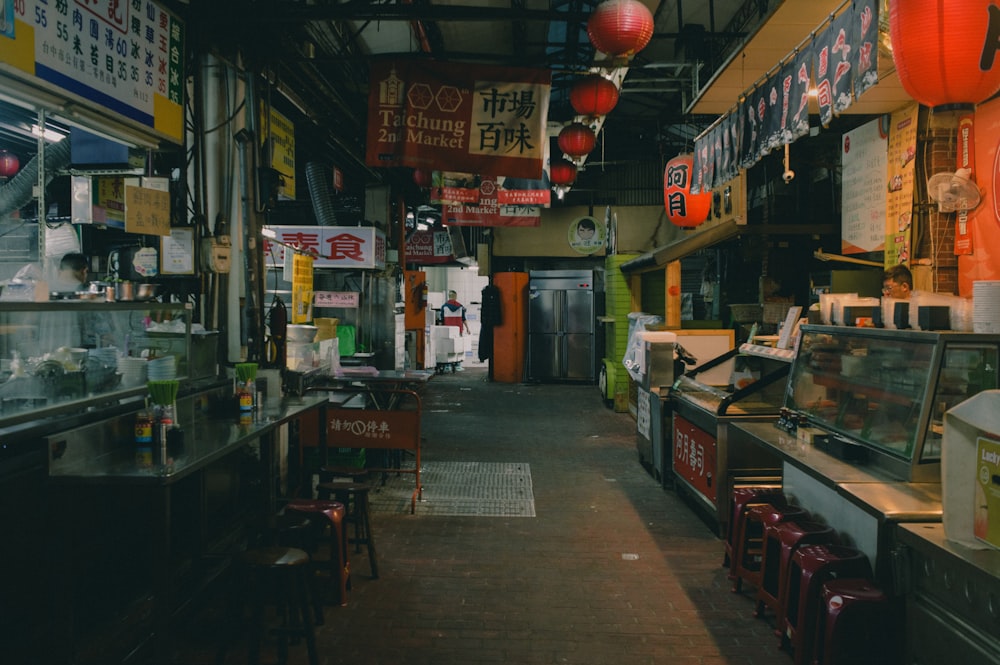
(740, 500)
(856, 625)
(748, 552)
(781, 540)
(811, 566)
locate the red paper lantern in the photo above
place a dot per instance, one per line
(577, 139)
(8, 164)
(562, 172)
(593, 95)
(684, 209)
(422, 178)
(944, 50)
(620, 27)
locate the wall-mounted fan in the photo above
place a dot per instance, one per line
(954, 191)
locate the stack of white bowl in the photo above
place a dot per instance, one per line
(133, 371)
(986, 306)
(163, 368)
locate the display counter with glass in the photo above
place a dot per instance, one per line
(71, 355)
(704, 463)
(879, 396)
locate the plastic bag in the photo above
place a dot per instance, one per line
(345, 339)
(637, 322)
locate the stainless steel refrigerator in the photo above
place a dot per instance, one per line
(561, 323)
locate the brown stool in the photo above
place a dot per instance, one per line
(277, 576)
(856, 625)
(781, 540)
(749, 551)
(354, 496)
(811, 566)
(323, 516)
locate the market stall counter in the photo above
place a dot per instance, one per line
(136, 543)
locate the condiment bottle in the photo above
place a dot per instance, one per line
(144, 439)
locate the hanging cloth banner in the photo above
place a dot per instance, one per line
(476, 119)
(864, 39)
(795, 79)
(966, 160)
(833, 68)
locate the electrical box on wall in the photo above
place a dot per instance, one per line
(215, 255)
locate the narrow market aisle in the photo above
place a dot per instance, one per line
(610, 569)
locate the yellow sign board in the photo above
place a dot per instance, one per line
(147, 211)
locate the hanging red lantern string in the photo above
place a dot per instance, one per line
(9, 164)
(593, 95)
(562, 172)
(945, 52)
(577, 139)
(684, 209)
(620, 27)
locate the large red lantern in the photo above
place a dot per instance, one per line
(562, 172)
(593, 95)
(9, 164)
(684, 209)
(945, 51)
(620, 27)
(422, 178)
(577, 139)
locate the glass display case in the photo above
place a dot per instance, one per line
(879, 396)
(70, 355)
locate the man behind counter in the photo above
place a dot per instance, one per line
(897, 282)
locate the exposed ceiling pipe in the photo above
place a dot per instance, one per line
(418, 30)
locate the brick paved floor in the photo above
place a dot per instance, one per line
(613, 569)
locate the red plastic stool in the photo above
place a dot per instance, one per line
(811, 566)
(749, 553)
(740, 500)
(780, 542)
(856, 625)
(332, 514)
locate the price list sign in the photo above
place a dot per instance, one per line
(121, 55)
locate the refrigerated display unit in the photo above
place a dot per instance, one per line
(561, 321)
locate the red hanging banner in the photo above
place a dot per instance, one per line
(487, 120)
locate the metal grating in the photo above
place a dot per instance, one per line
(476, 489)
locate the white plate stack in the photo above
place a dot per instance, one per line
(986, 307)
(163, 368)
(133, 371)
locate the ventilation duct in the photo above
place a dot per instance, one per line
(319, 192)
(18, 191)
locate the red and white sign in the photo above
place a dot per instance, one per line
(694, 457)
(344, 299)
(429, 247)
(489, 212)
(476, 119)
(336, 246)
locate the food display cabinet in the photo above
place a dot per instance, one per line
(878, 397)
(70, 355)
(705, 466)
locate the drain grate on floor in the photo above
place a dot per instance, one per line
(484, 489)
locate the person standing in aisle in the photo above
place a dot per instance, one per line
(454, 313)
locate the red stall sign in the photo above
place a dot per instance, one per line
(694, 457)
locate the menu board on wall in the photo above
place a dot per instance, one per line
(863, 158)
(900, 173)
(126, 56)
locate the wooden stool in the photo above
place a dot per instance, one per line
(740, 500)
(277, 575)
(780, 542)
(354, 496)
(811, 566)
(323, 515)
(749, 554)
(856, 625)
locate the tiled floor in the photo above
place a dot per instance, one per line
(612, 569)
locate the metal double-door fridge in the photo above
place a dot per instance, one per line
(561, 322)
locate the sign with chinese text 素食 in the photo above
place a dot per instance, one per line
(694, 457)
(336, 246)
(477, 119)
(126, 56)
